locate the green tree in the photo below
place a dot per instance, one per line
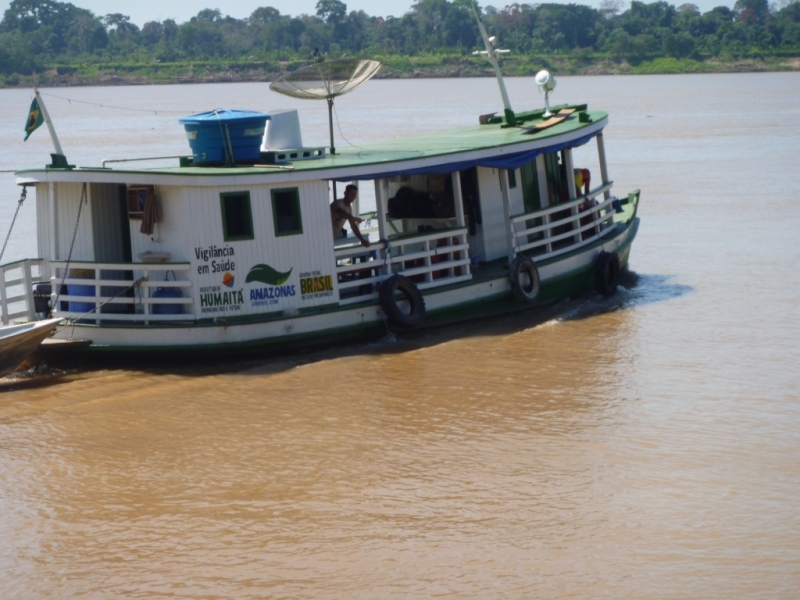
(611, 8)
(331, 11)
(51, 28)
(512, 25)
(265, 15)
(315, 36)
(159, 39)
(787, 24)
(396, 35)
(354, 33)
(209, 15)
(200, 39)
(38, 34)
(88, 34)
(18, 54)
(123, 36)
(752, 11)
(564, 27)
(429, 16)
(460, 28)
(679, 45)
(619, 44)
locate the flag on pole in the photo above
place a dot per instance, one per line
(35, 119)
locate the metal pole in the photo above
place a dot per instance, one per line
(330, 122)
(50, 127)
(601, 153)
(491, 54)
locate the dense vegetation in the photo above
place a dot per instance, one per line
(46, 41)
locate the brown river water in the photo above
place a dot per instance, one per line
(643, 446)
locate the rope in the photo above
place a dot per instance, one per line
(19, 206)
(146, 110)
(339, 127)
(84, 200)
(225, 134)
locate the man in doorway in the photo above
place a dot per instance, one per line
(342, 211)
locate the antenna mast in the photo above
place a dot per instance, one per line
(491, 55)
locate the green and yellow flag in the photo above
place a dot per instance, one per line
(35, 119)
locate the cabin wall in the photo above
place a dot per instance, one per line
(43, 228)
(171, 203)
(67, 197)
(192, 231)
(98, 236)
(491, 239)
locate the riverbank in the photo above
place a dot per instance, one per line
(394, 67)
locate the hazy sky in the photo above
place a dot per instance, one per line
(141, 11)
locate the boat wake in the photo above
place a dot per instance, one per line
(634, 290)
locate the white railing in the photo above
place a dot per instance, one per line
(16, 289)
(563, 228)
(359, 271)
(93, 294)
(430, 259)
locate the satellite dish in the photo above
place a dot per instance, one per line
(546, 83)
(326, 79)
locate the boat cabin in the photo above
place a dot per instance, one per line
(252, 240)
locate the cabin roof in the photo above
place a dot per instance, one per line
(426, 151)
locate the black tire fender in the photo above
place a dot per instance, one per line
(524, 278)
(606, 273)
(402, 301)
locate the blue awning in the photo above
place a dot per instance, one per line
(508, 161)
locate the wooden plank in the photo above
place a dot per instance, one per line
(559, 117)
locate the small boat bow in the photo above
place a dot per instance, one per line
(18, 342)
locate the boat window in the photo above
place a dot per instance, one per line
(137, 196)
(237, 219)
(286, 212)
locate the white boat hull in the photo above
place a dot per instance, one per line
(302, 330)
(18, 342)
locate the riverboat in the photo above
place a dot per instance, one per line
(231, 248)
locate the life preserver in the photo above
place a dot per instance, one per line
(401, 301)
(606, 273)
(524, 278)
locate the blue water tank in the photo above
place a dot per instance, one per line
(167, 309)
(77, 306)
(225, 136)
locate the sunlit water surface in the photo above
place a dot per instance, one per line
(641, 446)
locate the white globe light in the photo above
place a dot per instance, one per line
(545, 81)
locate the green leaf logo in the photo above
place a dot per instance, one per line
(268, 275)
